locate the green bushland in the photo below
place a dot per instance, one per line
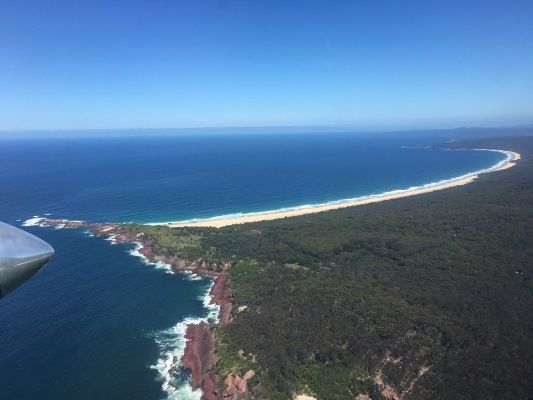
(180, 242)
(440, 281)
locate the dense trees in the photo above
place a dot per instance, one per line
(431, 294)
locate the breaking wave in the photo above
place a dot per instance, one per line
(171, 343)
(508, 157)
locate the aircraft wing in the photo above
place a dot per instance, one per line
(21, 256)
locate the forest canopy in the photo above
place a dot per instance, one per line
(429, 296)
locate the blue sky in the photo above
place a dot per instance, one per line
(167, 63)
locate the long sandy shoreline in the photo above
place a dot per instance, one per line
(218, 222)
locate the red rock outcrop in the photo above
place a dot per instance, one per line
(236, 387)
(199, 354)
(221, 294)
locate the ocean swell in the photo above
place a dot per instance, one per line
(508, 157)
(171, 343)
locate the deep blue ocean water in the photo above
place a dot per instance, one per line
(96, 321)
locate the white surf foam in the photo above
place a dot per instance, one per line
(171, 343)
(212, 309)
(161, 265)
(34, 221)
(111, 239)
(508, 157)
(157, 265)
(191, 275)
(37, 220)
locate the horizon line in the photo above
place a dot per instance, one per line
(355, 129)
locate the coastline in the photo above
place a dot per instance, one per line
(192, 345)
(222, 221)
(196, 350)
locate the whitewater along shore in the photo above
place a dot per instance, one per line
(219, 222)
(199, 356)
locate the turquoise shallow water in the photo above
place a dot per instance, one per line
(98, 322)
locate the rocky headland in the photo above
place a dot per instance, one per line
(200, 353)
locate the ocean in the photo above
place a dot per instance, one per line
(101, 322)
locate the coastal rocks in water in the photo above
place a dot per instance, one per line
(173, 365)
(199, 352)
(209, 388)
(199, 356)
(221, 294)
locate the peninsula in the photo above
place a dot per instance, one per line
(407, 299)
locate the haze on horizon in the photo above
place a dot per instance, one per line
(173, 64)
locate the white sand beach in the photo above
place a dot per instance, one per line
(218, 222)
